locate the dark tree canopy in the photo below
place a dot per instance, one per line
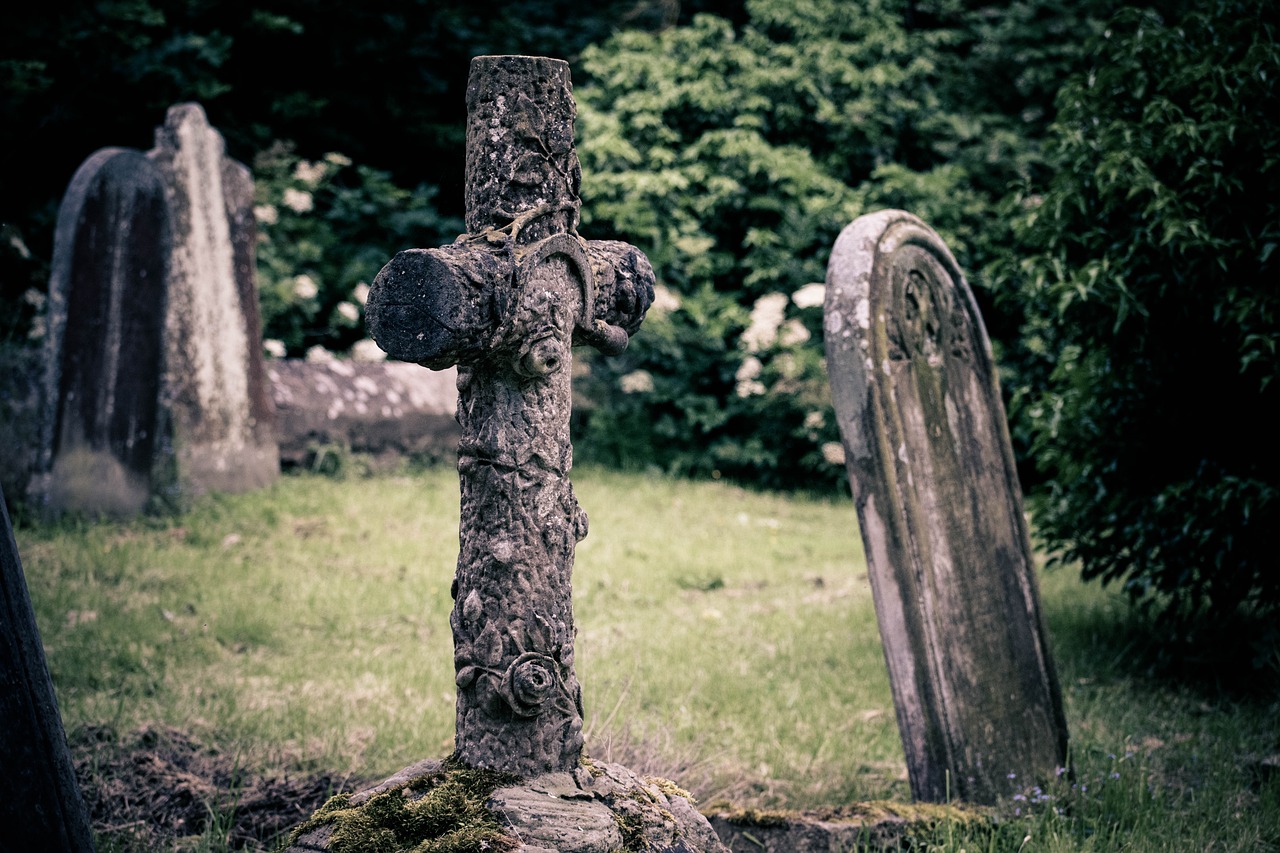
(382, 82)
(1153, 312)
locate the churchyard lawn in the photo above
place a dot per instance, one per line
(726, 640)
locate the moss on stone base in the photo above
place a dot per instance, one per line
(439, 812)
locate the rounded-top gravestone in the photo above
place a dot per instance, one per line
(932, 471)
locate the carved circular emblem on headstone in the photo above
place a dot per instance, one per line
(927, 322)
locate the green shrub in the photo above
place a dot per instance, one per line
(325, 229)
(733, 157)
(1151, 299)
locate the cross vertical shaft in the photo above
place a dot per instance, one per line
(506, 302)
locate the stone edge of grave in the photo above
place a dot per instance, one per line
(876, 824)
(596, 808)
(602, 808)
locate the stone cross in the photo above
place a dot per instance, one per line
(505, 303)
(929, 459)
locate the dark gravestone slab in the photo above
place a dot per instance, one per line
(937, 495)
(217, 402)
(105, 337)
(40, 803)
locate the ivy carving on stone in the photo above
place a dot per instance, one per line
(506, 302)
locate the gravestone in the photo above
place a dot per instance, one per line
(217, 401)
(104, 344)
(505, 303)
(154, 381)
(932, 471)
(40, 803)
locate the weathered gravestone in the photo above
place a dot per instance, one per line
(216, 395)
(40, 803)
(932, 471)
(155, 382)
(505, 303)
(105, 338)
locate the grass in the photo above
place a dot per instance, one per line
(726, 639)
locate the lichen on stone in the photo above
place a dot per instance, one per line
(438, 812)
(669, 788)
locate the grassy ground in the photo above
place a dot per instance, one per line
(726, 639)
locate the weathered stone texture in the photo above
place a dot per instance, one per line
(940, 509)
(595, 808)
(602, 808)
(220, 411)
(389, 410)
(505, 303)
(105, 336)
(155, 383)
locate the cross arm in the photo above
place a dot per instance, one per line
(440, 307)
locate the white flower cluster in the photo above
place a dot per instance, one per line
(833, 453)
(766, 318)
(748, 377)
(367, 350)
(297, 200)
(637, 382)
(664, 301)
(310, 173)
(305, 287)
(810, 296)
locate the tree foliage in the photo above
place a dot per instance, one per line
(1150, 295)
(733, 155)
(325, 229)
(382, 81)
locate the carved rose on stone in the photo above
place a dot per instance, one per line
(530, 681)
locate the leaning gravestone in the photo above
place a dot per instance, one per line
(40, 803)
(928, 454)
(505, 303)
(155, 383)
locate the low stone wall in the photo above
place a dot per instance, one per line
(389, 410)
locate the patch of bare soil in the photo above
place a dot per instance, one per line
(150, 789)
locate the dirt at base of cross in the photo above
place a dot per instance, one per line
(150, 789)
